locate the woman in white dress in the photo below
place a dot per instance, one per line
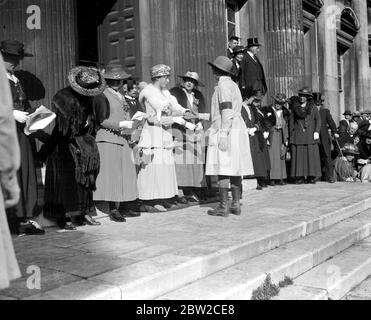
(157, 176)
(9, 191)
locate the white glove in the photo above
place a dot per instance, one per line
(316, 136)
(190, 126)
(126, 124)
(252, 131)
(266, 135)
(362, 161)
(199, 127)
(20, 116)
(179, 120)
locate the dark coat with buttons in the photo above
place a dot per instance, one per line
(252, 77)
(304, 122)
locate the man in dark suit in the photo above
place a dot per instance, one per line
(327, 123)
(252, 72)
(233, 42)
(344, 124)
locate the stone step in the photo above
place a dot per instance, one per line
(334, 278)
(157, 276)
(238, 282)
(362, 292)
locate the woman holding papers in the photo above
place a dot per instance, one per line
(157, 176)
(22, 215)
(117, 180)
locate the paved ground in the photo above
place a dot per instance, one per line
(68, 257)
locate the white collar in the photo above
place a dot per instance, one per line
(252, 55)
(12, 77)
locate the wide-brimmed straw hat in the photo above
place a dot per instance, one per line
(193, 76)
(348, 113)
(224, 64)
(14, 48)
(87, 81)
(115, 72)
(350, 149)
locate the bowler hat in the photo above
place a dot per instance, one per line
(87, 81)
(115, 72)
(350, 149)
(234, 38)
(348, 113)
(306, 92)
(14, 48)
(223, 64)
(280, 98)
(193, 76)
(253, 42)
(356, 114)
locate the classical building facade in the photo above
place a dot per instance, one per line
(323, 44)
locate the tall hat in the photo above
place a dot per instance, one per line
(87, 81)
(160, 70)
(238, 49)
(317, 96)
(223, 64)
(306, 92)
(280, 98)
(14, 48)
(115, 72)
(253, 42)
(193, 76)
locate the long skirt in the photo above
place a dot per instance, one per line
(117, 179)
(260, 156)
(64, 197)
(237, 160)
(157, 178)
(306, 161)
(190, 163)
(278, 165)
(27, 206)
(9, 269)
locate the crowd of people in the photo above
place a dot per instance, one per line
(134, 147)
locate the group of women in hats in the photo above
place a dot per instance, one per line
(102, 151)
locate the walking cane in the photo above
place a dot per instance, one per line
(341, 151)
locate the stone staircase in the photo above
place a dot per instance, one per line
(326, 251)
(324, 265)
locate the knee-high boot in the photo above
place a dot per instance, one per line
(222, 209)
(236, 204)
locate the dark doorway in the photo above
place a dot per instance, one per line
(90, 15)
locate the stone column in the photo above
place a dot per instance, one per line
(327, 43)
(284, 45)
(362, 57)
